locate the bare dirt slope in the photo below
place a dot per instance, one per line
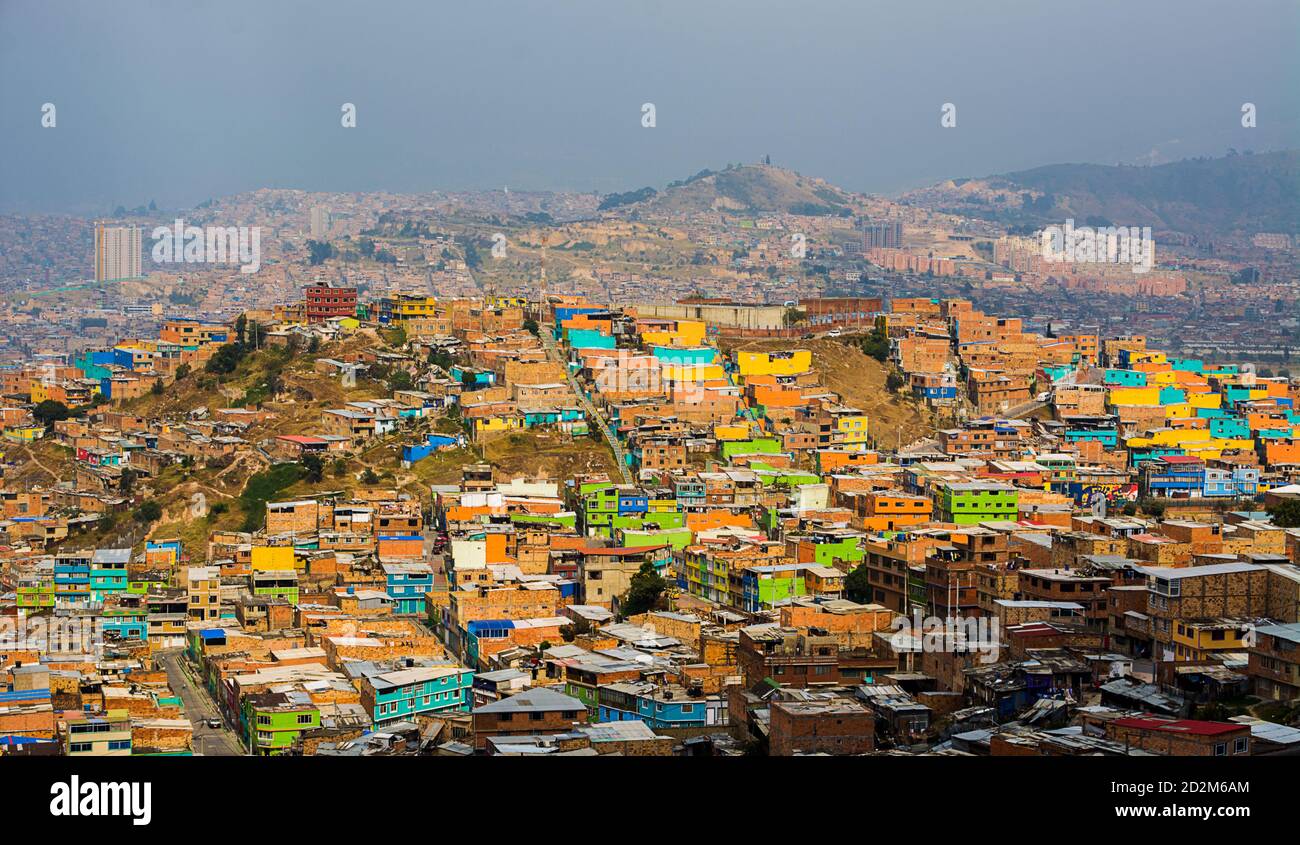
(860, 380)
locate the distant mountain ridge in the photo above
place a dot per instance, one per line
(1257, 192)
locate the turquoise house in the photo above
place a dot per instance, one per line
(590, 339)
(696, 355)
(1124, 378)
(407, 693)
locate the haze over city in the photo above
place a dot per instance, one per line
(180, 103)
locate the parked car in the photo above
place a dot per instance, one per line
(834, 333)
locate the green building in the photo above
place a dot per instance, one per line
(276, 582)
(274, 720)
(757, 446)
(973, 502)
(676, 538)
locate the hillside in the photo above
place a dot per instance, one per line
(860, 381)
(743, 189)
(1206, 196)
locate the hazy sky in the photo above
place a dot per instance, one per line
(181, 101)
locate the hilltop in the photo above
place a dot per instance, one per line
(1206, 196)
(740, 189)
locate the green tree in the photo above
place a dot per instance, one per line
(1286, 514)
(148, 511)
(876, 344)
(318, 252)
(368, 477)
(260, 488)
(857, 584)
(313, 466)
(49, 411)
(400, 380)
(182, 371)
(225, 359)
(644, 592)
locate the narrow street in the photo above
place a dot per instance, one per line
(594, 416)
(199, 707)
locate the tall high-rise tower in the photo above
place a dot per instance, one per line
(117, 252)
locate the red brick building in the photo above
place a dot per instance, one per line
(324, 301)
(828, 726)
(1181, 737)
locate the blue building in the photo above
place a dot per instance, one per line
(629, 503)
(72, 578)
(669, 706)
(1174, 476)
(689, 492)
(433, 443)
(1108, 437)
(1124, 378)
(1231, 481)
(406, 585)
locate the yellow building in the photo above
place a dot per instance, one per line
(497, 423)
(414, 307)
(272, 558)
(1200, 639)
(1134, 396)
(685, 333)
(850, 428)
(671, 373)
(788, 363)
(732, 431)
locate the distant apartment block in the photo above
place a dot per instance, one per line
(321, 220)
(883, 235)
(117, 252)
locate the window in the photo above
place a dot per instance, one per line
(1241, 745)
(1221, 749)
(304, 718)
(263, 720)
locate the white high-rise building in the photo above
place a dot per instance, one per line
(320, 222)
(117, 252)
